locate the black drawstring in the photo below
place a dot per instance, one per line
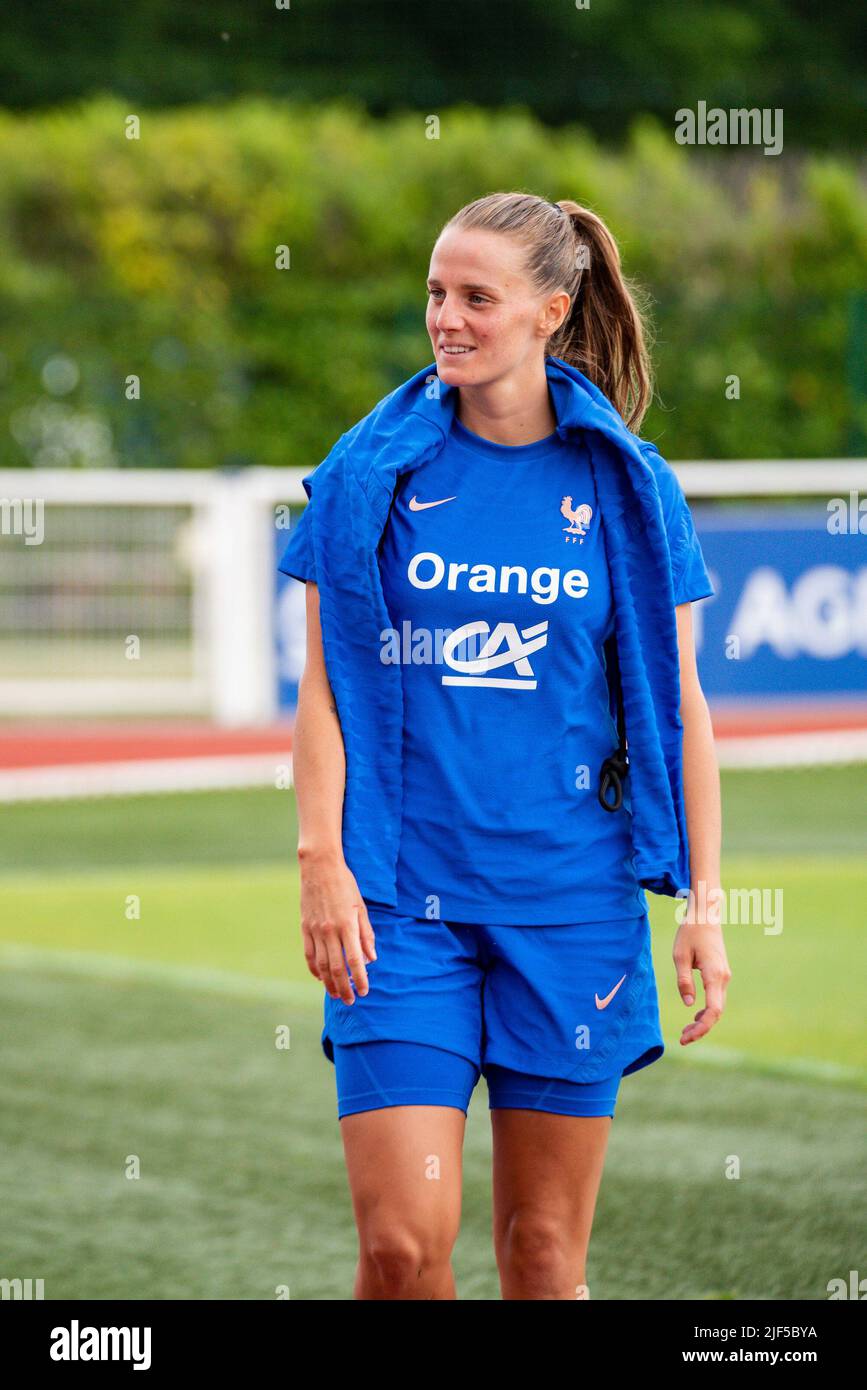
(615, 768)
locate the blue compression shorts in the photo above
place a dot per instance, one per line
(374, 1075)
(553, 1017)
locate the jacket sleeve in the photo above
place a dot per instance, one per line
(688, 569)
(297, 559)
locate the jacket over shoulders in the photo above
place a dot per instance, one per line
(654, 561)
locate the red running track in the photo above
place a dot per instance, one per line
(32, 744)
(39, 745)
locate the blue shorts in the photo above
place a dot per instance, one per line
(541, 1012)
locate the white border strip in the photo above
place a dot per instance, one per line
(770, 478)
(156, 775)
(815, 748)
(146, 775)
(179, 486)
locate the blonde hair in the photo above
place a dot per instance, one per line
(569, 247)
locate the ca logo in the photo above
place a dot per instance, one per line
(516, 648)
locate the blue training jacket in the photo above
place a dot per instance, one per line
(350, 493)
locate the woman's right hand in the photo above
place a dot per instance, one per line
(335, 926)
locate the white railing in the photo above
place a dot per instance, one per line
(200, 576)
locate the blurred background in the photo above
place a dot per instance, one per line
(216, 226)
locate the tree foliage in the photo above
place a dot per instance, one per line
(157, 258)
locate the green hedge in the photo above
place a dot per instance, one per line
(156, 257)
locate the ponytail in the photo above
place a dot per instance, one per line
(569, 247)
(603, 334)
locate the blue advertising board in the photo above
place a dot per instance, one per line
(789, 615)
(788, 618)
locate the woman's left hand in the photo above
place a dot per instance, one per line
(700, 946)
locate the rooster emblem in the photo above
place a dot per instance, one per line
(579, 519)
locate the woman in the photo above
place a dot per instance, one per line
(499, 577)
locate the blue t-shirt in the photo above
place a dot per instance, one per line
(494, 574)
(505, 733)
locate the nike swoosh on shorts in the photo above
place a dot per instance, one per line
(603, 1003)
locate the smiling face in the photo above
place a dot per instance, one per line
(480, 299)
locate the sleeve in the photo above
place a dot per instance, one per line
(298, 559)
(688, 569)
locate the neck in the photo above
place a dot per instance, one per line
(515, 409)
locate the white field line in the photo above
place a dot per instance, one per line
(794, 750)
(98, 966)
(803, 1068)
(145, 775)
(94, 965)
(156, 775)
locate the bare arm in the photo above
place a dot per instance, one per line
(318, 754)
(334, 920)
(699, 943)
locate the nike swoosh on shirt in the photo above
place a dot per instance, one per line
(416, 506)
(603, 1003)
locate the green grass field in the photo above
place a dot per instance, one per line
(154, 1036)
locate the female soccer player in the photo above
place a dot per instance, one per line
(500, 743)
